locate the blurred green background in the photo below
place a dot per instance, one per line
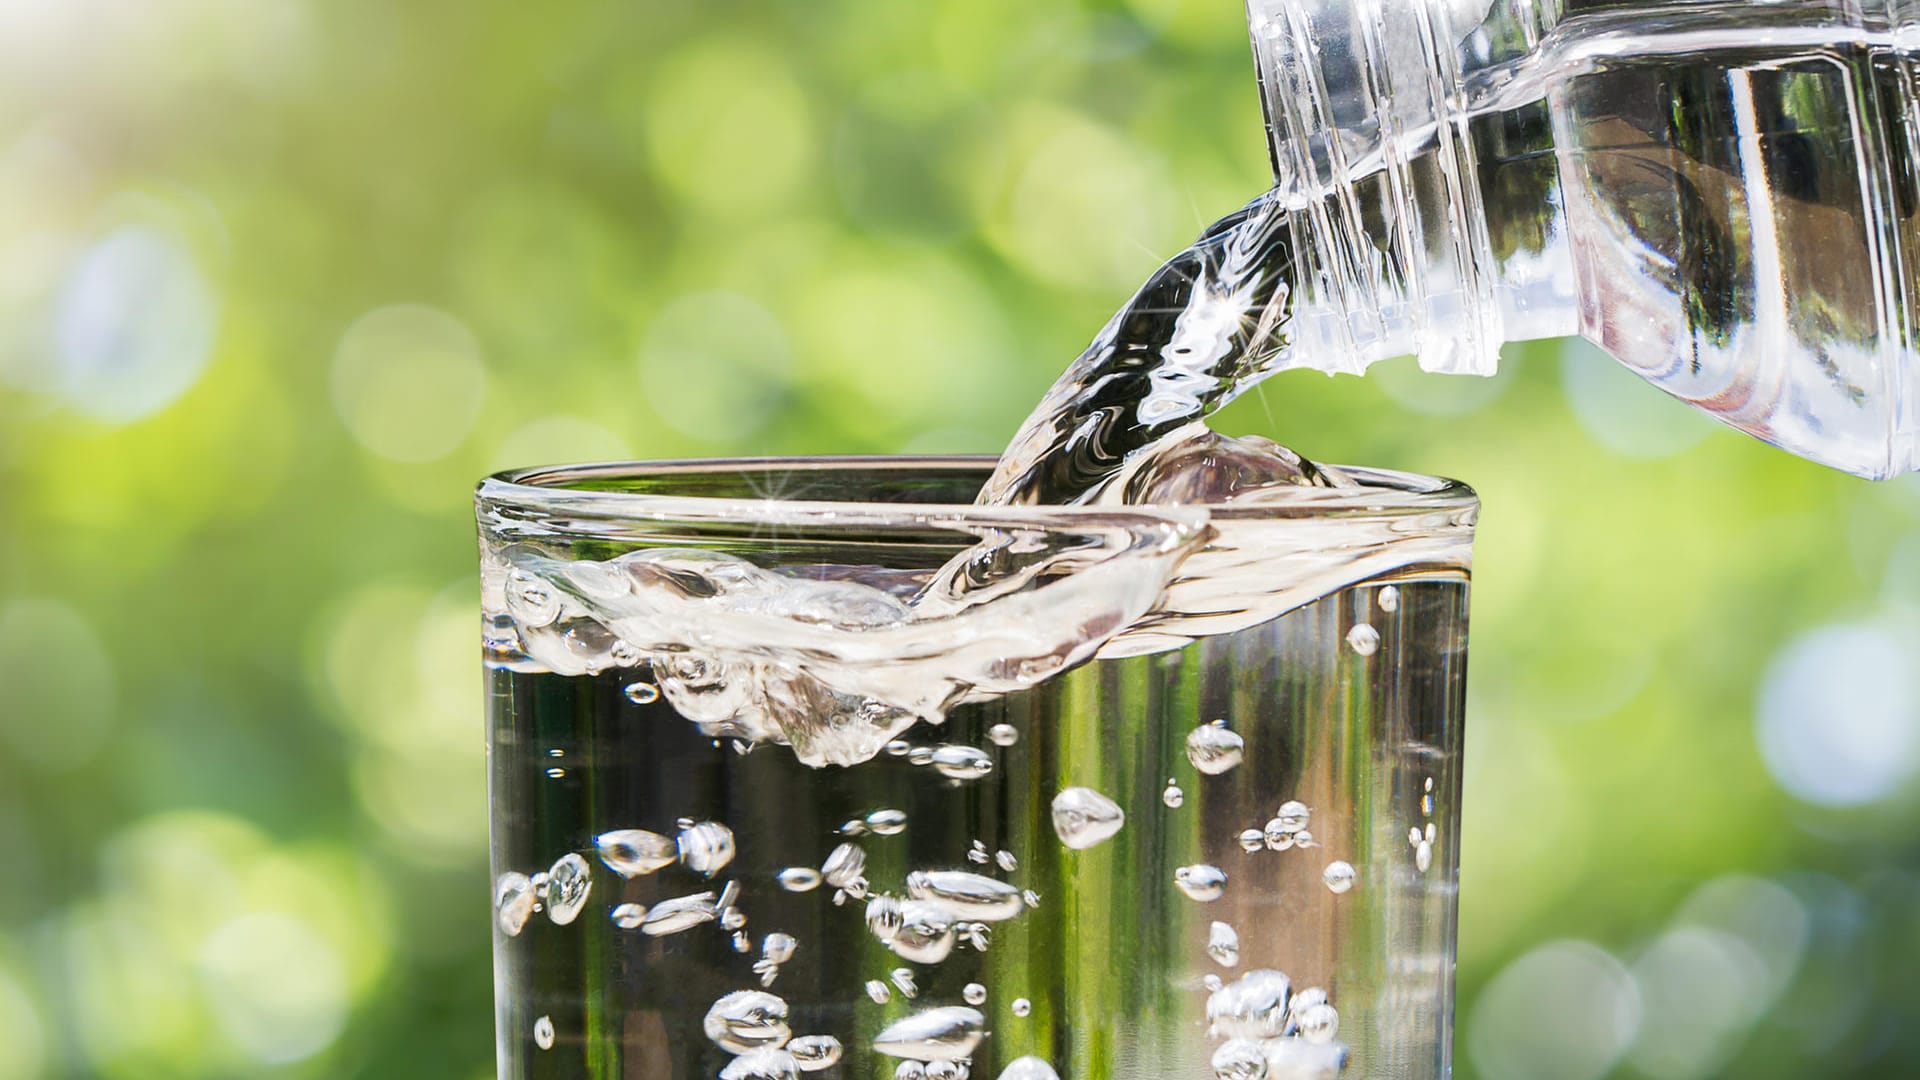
(279, 279)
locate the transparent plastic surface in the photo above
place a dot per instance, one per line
(1720, 193)
(1226, 843)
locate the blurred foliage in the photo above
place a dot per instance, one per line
(280, 279)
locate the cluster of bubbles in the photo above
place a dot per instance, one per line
(752, 1025)
(1272, 1033)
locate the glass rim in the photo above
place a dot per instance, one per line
(1384, 493)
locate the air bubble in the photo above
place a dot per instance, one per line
(1006, 860)
(543, 1033)
(947, 1070)
(747, 1020)
(1201, 882)
(1293, 816)
(1213, 749)
(967, 895)
(974, 994)
(1423, 856)
(1083, 817)
(568, 884)
(623, 654)
(743, 944)
(1239, 1059)
(920, 755)
(1211, 982)
(1173, 796)
(979, 935)
(910, 1070)
(948, 1033)
(887, 822)
(1028, 1068)
(732, 918)
(1252, 840)
(856, 827)
(1223, 944)
(1253, 1006)
(961, 762)
(898, 748)
(1003, 735)
(1339, 876)
(531, 601)
(1304, 1000)
(629, 916)
(1363, 639)
(556, 773)
(634, 852)
(513, 902)
(926, 933)
(879, 992)
(706, 847)
(1021, 1007)
(815, 1052)
(903, 979)
(978, 853)
(680, 913)
(762, 1065)
(1032, 898)
(799, 879)
(1319, 1023)
(778, 948)
(843, 865)
(883, 917)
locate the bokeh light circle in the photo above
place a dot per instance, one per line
(1565, 1011)
(1838, 720)
(714, 365)
(135, 325)
(408, 382)
(57, 685)
(275, 985)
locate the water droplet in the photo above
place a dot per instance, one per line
(628, 916)
(1214, 749)
(974, 994)
(1253, 1006)
(747, 1020)
(926, 932)
(777, 948)
(1173, 796)
(633, 852)
(1006, 860)
(879, 992)
(1339, 876)
(1028, 1068)
(967, 895)
(642, 693)
(843, 864)
(1201, 882)
(531, 601)
(920, 755)
(1021, 1007)
(799, 879)
(1389, 599)
(947, 1070)
(898, 748)
(1239, 1059)
(910, 1070)
(705, 847)
(513, 902)
(1223, 944)
(948, 1033)
(815, 1052)
(903, 978)
(1252, 840)
(568, 884)
(767, 1064)
(1363, 639)
(962, 762)
(887, 822)
(680, 913)
(1423, 856)
(1003, 734)
(1319, 1023)
(883, 917)
(1083, 817)
(543, 1033)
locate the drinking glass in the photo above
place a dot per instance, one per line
(1170, 792)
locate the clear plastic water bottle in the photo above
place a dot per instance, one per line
(1720, 193)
